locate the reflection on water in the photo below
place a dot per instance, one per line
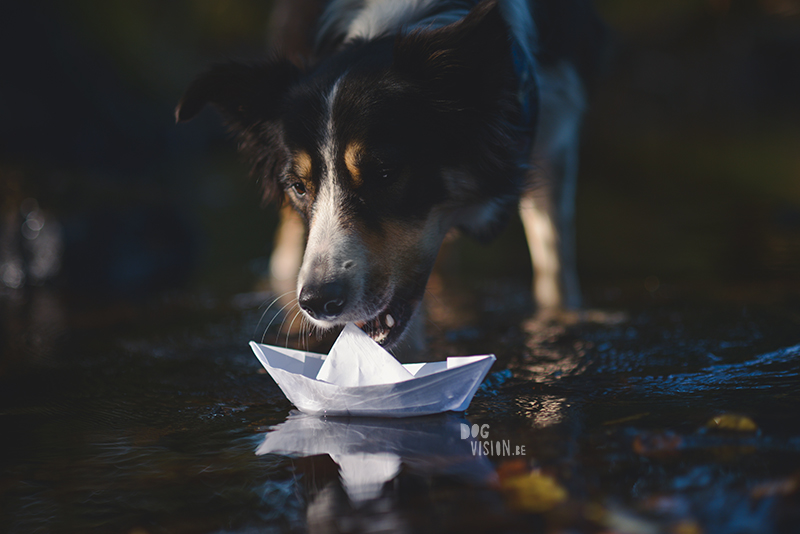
(546, 410)
(370, 452)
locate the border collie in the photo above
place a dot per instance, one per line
(407, 119)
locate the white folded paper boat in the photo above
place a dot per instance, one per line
(415, 389)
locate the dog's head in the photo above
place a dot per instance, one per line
(382, 147)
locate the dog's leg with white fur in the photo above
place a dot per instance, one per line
(547, 208)
(287, 252)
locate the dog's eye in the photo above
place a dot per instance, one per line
(299, 188)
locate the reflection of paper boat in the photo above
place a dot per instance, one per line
(369, 452)
(434, 387)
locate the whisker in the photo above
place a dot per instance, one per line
(271, 304)
(276, 299)
(289, 330)
(283, 322)
(433, 295)
(300, 334)
(305, 330)
(290, 303)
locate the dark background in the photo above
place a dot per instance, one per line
(690, 177)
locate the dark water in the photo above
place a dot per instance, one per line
(147, 418)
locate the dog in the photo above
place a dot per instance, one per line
(407, 119)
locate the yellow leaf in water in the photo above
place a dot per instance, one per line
(730, 421)
(686, 526)
(534, 492)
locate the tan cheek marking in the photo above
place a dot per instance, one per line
(302, 165)
(351, 156)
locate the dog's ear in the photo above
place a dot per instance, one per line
(245, 94)
(470, 58)
(249, 97)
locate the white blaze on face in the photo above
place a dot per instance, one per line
(334, 251)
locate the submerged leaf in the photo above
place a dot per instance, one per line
(534, 492)
(686, 526)
(734, 422)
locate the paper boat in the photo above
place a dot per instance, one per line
(432, 387)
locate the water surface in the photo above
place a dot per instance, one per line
(150, 418)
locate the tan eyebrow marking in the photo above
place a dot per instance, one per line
(351, 156)
(302, 164)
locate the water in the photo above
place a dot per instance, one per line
(149, 417)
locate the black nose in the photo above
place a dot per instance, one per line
(324, 301)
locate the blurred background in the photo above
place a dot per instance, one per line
(690, 177)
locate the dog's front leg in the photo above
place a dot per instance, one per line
(549, 222)
(547, 209)
(543, 240)
(287, 251)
